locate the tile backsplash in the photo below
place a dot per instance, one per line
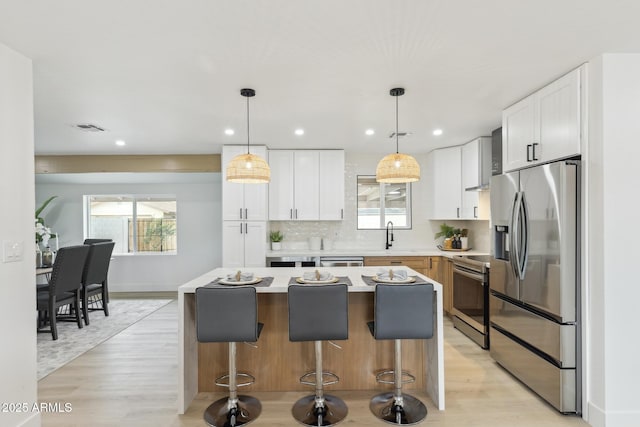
(345, 234)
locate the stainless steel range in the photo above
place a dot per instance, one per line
(471, 297)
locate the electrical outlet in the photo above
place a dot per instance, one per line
(12, 251)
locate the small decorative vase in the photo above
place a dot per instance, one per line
(47, 257)
(276, 246)
(448, 243)
(464, 243)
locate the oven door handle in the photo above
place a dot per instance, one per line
(474, 276)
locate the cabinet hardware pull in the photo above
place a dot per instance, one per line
(246, 213)
(240, 228)
(290, 213)
(475, 212)
(534, 151)
(296, 213)
(246, 228)
(240, 213)
(457, 212)
(341, 213)
(396, 262)
(528, 156)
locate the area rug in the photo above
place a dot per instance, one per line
(72, 342)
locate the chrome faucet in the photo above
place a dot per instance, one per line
(388, 243)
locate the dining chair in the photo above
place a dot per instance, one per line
(94, 241)
(94, 279)
(64, 286)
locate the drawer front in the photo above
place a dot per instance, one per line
(555, 339)
(411, 262)
(557, 386)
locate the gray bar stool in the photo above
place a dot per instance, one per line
(226, 314)
(401, 312)
(318, 313)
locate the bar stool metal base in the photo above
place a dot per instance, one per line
(305, 412)
(218, 413)
(411, 412)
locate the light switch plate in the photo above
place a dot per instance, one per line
(12, 251)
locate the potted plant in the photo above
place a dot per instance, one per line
(276, 238)
(446, 232)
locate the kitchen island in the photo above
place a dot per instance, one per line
(277, 363)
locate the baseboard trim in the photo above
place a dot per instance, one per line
(601, 418)
(146, 295)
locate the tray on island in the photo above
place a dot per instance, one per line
(453, 250)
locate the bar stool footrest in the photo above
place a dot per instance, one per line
(390, 372)
(220, 379)
(335, 379)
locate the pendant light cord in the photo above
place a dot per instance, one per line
(248, 125)
(397, 151)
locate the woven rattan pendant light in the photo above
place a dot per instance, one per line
(248, 168)
(397, 167)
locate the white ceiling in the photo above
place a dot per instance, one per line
(165, 75)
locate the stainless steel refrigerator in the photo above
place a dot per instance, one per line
(535, 281)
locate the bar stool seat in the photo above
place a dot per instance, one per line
(318, 313)
(229, 314)
(401, 312)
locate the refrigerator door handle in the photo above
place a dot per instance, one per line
(523, 248)
(513, 235)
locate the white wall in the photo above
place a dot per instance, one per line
(345, 232)
(17, 280)
(613, 291)
(199, 224)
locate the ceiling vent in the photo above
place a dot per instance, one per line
(400, 134)
(88, 127)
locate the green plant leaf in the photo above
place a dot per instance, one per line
(41, 208)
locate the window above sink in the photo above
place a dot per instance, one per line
(380, 202)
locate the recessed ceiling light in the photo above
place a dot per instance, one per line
(369, 132)
(120, 143)
(229, 131)
(437, 132)
(299, 132)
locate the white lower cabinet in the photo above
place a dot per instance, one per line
(244, 244)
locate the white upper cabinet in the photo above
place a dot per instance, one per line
(243, 202)
(281, 186)
(445, 183)
(306, 185)
(451, 171)
(331, 185)
(545, 126)
(476, 172)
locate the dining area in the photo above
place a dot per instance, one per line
(73, 285)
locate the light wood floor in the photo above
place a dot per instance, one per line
(131, 380)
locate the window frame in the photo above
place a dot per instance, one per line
(383, 220)
(134, 199)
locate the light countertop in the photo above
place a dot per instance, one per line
(281, 277)
(369, 252)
